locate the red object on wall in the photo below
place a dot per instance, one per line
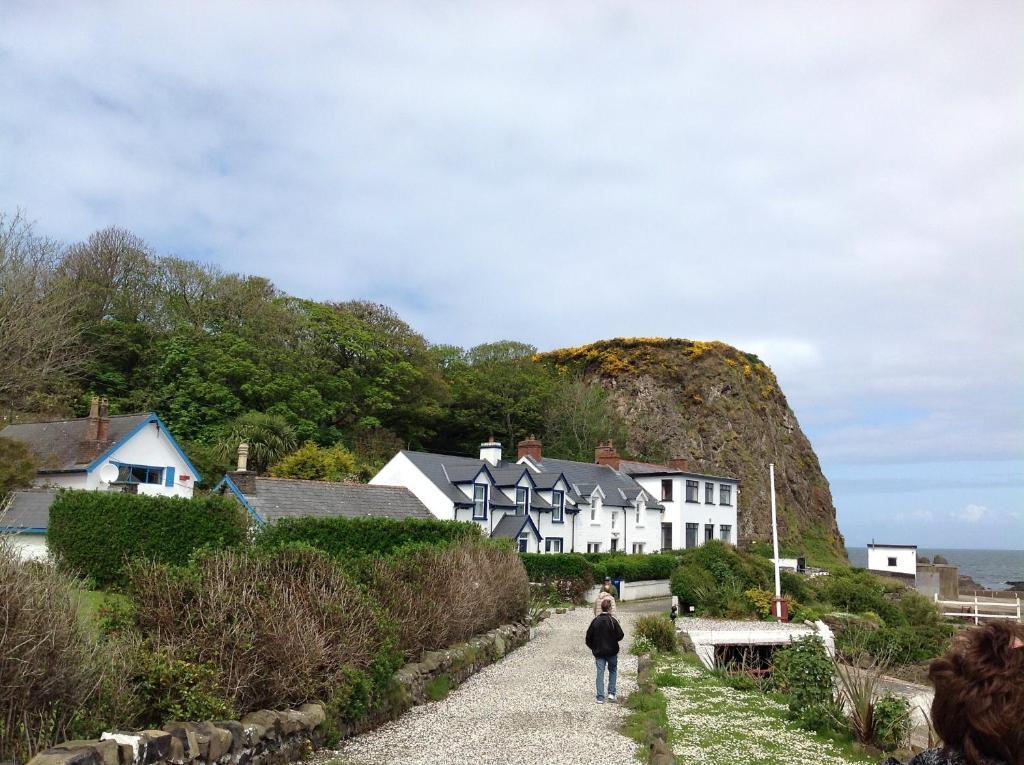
(184, 477)
(780, 609)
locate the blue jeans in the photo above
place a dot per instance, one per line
(612, 663)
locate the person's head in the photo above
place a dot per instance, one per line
(979, 694)
(606, 605)
(607, 583)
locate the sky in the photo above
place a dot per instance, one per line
(835, 186)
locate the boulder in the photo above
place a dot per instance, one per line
(315, 714)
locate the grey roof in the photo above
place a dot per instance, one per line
(277, 498)
(29, 509)
(511, 526)
(57, 443)
(650, 469)
(618, 487)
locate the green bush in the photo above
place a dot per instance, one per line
(803, 672)
(796, 586)
(896, 645)
(174, 689)
(93, 533)
(546, 568)
(344, 538)
(855, 591)
(634, 568)
(891, 721)
(731, 567)
(658, 629)
(692, 585)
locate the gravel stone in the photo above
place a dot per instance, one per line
(534, 707)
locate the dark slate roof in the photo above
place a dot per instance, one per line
(498, 498)
(511, 526)
(586, 475)
(56, 443)
(650, 469)
(29, 509)
(277, 498)
(435, 467)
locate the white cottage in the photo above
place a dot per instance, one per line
(133, 453)
(898, 561)
(546, 505)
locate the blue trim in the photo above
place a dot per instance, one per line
(226, 481)
(487, 498)
(561, 506)
(528, 521)
(20, 530)
(561, 545)
(169, 476)
(152, 418)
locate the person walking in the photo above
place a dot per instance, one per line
(602, 598)
(603, 636)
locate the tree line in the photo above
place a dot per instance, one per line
(223, 355)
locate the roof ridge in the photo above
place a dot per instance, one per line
(78, 419)
(331, 483)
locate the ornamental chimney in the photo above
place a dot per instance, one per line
(243, 457)
(103, 422)
(490, 451)
(530, 447)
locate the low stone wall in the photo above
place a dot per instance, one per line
(651, 588)
(277, 737)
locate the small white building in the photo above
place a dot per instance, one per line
(893, 560)
(133, 453)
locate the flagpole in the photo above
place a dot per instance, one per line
(775, 546)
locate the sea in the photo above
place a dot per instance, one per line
(991, 568)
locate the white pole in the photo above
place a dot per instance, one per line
(775, 533)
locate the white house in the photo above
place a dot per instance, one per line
(564, 505)
(133, 453)
(698, 507)
(893, 560)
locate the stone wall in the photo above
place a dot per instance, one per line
(276, 737)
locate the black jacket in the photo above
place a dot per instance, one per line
(603, 636)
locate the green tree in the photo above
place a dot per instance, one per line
(315, 463)
(578, 417)
(270, 437)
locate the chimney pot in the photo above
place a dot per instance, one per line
(243, 457)
(490, 451)
(605, 454)
(530, 447)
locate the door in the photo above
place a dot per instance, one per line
(666, 536)
(615, 545)
(709, 532)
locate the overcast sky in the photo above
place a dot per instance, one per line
(836, 186)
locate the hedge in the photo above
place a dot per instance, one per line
(351, 537)
(545, 568)
(94, 533)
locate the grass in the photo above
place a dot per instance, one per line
(438, 688)
(710, 722)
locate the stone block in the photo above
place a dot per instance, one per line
(61, 756)
(106, 749)
(184, 744)
(500, 647)
(315, 714)
(147, 746)
(269, 722)
(291, 722)
(237, 733)
(218, 741)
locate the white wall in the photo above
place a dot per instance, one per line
(679, 512)
(401, 472)
(29, 546)
(906, 559)
(150, 446)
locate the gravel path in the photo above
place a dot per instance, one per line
(534, 707)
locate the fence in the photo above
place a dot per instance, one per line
(972, 609)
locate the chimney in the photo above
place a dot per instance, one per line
(605, 454)
(530, 447)
(244, 478)
(679, 463)
(243, 457)
(491, 451)
(103, 423)
(92, 431)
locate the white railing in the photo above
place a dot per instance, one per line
(972, 610)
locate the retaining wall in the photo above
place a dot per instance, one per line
(652, 588)
(270, 737)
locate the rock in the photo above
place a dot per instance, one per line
(291, 722)
(237, 733)
(219, 741)
(106, 749)
(314, 713)
(499, 646)
(269, 722)
(559, 610)
(147, 746)
(61, 756)
(940, 560)
(191, 746)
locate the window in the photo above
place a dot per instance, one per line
(558, 506)
(593, 547)
(553, 545)
(709, 493)
(725, 533)
(691, 490)
(666, 489)
(593, 510)
(139, 474)
(638, 515)
(614, 517)
(709, 532)
(479, 502)
(691, 535)
(892, 561)
(638, 548)
(522, 500)
(724, 494)
(524, 541)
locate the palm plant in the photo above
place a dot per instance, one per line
(270, 437)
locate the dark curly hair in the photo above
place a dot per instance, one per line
(979, 694)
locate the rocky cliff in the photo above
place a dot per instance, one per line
(722, 409)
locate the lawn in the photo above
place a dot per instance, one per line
(713, 724)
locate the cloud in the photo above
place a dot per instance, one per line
(972, 513)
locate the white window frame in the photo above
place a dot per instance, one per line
(523, 491)
(557, 506)
(638, 548)
(593, 547)
(550, 542)
(524, 542)
(482, 502)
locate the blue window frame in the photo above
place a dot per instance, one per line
(479, 502)
(132, 474)
(557, 506)
(522, 500)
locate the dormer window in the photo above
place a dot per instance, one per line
(479, 502)
(557, 506)
(522, 500)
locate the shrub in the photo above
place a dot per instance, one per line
(729, 566)
(796, 586)
(51, 666)
(93, 533)
(692, 585)
(761, 600)
(545, 568)
(855, 591)
(891, 721)
(280, 627)
(918, 610)
(896, 645)
(641, 645)
(803, 672)
(658, 629)
(440, 596)
(634, 568)
(174, 689)
(343, 538)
